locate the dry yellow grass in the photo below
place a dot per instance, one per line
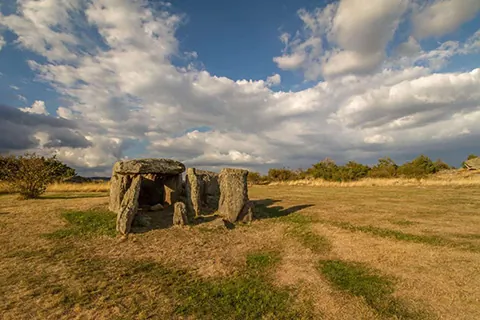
(67, 187)
(449, 178)
(79, 187)
(388, 228)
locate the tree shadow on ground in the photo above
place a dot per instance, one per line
(265, 210)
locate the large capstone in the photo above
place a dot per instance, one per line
(233, 193)
(157, 181)
(144, 166)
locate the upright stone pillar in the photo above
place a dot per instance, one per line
(173, 186)
(193, 190)
(129, 206)
(233, 193)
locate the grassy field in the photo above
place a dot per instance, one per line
(366, 252)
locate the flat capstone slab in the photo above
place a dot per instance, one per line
(146, 166)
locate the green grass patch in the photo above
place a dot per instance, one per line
(361, 281)
(95, 222)
(403, 236)
(259, 262)
(315, 242)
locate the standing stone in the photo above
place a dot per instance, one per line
(180, 214)
(129, 206)
(194, 200)
(209, 188)
(173, 189)
(233, 193)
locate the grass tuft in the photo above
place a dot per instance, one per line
(86, 224)
(361, 281)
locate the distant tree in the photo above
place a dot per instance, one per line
(385, 168)
(254, 177)
(326, 169)
(440, 165)
(29, 174)
(352, 171)
(281, 174)
(418, 168)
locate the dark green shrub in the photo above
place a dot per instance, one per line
(418, 168)
(30, 174)
(385, 168)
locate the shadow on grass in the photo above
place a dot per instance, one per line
(265, 210)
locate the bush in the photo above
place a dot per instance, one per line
(30, 174)
(385, 168)
(440, 165)
(281, 175)
(352, 171)
(325, 169)
(254, 177)
(418, 168)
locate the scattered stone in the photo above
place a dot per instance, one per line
(180, 214)
(128, 206)
(473, 164)
(157, 207)
(248, 212)
(233, 193)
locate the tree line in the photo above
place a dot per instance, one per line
(420, 167)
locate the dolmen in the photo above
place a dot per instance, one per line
(143, 183)
(155, 184)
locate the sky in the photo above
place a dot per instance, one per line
(249, 84)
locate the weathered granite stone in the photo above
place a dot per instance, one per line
(193, 191)
(209, 189)
(233, 193)
(144, 166)
(119, 185)
(128, 206)
(180, 214)
(173, 188)
(473, 164)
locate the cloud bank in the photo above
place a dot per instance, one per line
(124, 93)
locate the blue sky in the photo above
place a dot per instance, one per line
(254, 84)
